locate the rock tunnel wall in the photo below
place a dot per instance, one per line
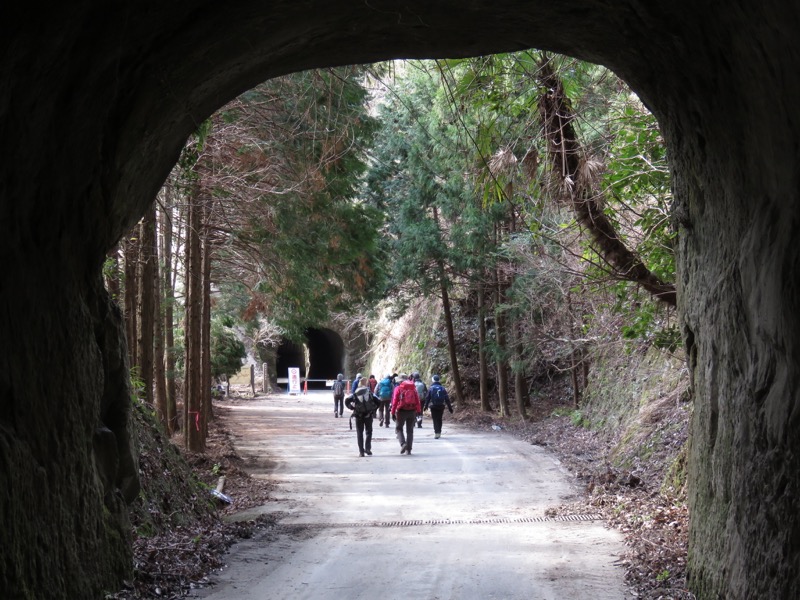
(328, 355)
(97, 100)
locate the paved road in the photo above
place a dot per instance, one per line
(465, 516)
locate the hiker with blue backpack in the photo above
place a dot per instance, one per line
(384, 392)
(436, 400)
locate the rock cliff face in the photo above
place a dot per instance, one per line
(97, 101)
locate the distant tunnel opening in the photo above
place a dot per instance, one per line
(325, 357)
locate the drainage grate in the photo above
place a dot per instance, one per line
(434, 522)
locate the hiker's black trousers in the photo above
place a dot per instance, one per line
(364, 425)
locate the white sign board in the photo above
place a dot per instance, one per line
(294, 380)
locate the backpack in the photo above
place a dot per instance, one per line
(405, 398)
(385, 389)
(438, 395)
(422, 389)
(363, 404)
(338, 388)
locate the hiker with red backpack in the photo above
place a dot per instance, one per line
(405, 407)
(436, 399)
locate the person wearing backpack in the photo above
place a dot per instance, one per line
(338, 396)
(384, 393)
(422, 392)
(436, 400)
(373, 383)
(363, 404)
(405, 407)
(355, 383)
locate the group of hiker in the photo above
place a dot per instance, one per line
(402, 398)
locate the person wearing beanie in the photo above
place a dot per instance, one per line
(338, 396)
(436, 400)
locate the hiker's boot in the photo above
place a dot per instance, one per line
(403, 449)
(361, 454)
(437, 436)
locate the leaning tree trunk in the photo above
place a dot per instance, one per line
(567, 156)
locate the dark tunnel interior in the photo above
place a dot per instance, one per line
(326, 357)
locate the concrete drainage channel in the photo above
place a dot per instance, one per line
(435, 522)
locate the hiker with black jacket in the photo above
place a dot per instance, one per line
(338, 395)
(363, 404)
(436, 399)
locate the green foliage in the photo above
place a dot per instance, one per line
(299, 243)
(437, 229)
(137, 384)
(227, 351)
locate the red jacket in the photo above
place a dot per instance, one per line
(409, 386)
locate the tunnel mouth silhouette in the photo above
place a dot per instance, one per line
(325, 350)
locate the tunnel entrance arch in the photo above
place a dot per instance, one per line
(320, 357)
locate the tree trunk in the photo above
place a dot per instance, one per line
(500, 338)
(193, 395)
(146, 302)
(448, 321)
(171, 411)
(131, 249)
(566, 155)
(159, 367)
(574, 353)
(205, 351)
(451, 340)
(520, 383)
(482, 362)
